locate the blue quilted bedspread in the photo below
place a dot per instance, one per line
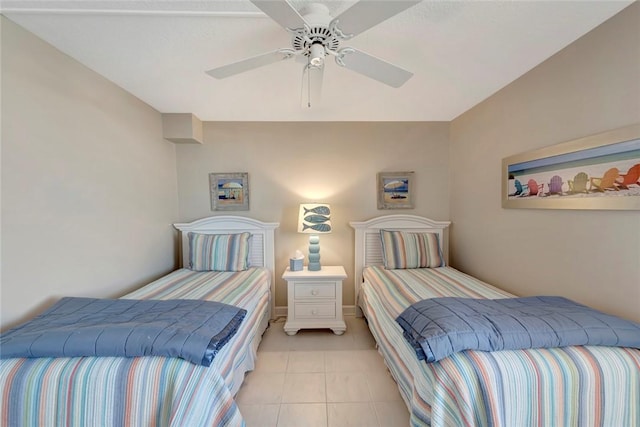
(439, 327)
(194, 330)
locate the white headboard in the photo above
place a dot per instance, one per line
(369, 245)
(262, 252)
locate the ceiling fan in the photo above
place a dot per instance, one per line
(317, 35)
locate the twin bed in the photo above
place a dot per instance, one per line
(574, 385)
(561, 386)
(155, 390)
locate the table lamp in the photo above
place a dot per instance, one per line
(314, 218)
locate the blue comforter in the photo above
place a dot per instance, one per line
(439, 327)
(194, 330)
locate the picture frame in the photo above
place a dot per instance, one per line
(600, 171)
(229, 191)
(395, 190)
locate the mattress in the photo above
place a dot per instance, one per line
(580, 385)
(145, 391)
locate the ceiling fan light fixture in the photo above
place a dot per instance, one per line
(316, 55)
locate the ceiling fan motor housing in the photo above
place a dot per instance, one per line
(318, 32)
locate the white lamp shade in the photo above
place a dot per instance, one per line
(314, 218)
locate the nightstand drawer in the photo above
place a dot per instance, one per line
(310, 290)
(311, 311)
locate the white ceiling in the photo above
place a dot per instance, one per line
(460, 52)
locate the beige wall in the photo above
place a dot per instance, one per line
(290, 163)
(591, 256)
(88, 183)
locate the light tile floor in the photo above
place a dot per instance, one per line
(316, 378)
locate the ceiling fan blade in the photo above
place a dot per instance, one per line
(367, 13)
(312, 86)
(373, 67)
(281, 11)
(248, 64)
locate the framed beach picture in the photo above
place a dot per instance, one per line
(596, 172)
(395, 190)
(229, 191)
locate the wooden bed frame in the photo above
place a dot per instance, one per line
(261, 243)
(368, 249)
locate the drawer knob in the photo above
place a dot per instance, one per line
(314, 312)
(314, 292)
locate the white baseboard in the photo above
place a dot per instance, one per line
(347, 310)
(281, 311)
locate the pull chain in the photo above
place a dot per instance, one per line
(308, 86)
(305, 70)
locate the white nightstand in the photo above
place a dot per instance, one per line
(315, 299)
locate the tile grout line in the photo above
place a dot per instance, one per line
(326, 395)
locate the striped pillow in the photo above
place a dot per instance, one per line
(410, 250)
(219, 252)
